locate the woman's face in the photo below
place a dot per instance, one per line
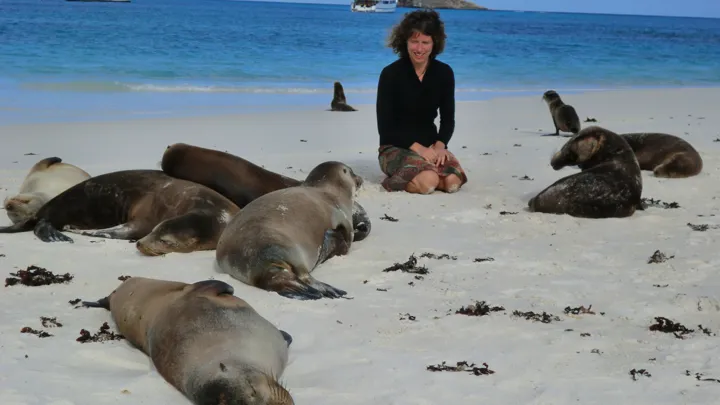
(419, 47)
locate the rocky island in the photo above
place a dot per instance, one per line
(440, 4)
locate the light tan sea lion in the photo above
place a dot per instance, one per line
(238, 179)
(166, 214)
(666, 155)
(563, 115)
(609, 185)
(339, 102)
(46, 179)
(207, 343)
(278, 239)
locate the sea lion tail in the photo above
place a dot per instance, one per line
(101, 303)
(22, 226)
(47, 233)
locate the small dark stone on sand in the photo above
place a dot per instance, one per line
(660, 285)
(381, 289)
(35, 276)
(407, 316)
(303, 140)
(30, 154)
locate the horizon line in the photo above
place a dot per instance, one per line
(330, 3)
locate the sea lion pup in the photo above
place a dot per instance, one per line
(563, 115)
(207, 343)
(609, 185)
(666, 155)
(46, 179)
(278, 239)
(166, 214)
(339, 102)
(238, 179)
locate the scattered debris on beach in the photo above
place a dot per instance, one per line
(483, 259)
(102, 335)
(38, 333)
(651, 202)
(409, 266)
(442, 256)
(659, 257)
(642, 372)
(35, 276)
(579, 310)
(665, 325)
(48, 322)
(387, 217)
(535, 317)
(462, 366)
(480, 308)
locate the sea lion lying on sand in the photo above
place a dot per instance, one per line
(609, 185)
(238, 179)
(166, 214)
(207, 343)
(666, 155)
(46, 179)
(279, 238)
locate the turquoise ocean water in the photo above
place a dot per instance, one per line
(64, 61)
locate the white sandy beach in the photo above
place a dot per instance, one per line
(366, 350)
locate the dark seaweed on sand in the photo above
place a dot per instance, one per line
(698, 376)
(39, 333)
(532, 316)
(483, 259)
(659, 257)
(579, 310)
(442, 256)
(642, 372)
(462, 366)
(480, 308)
(702, 227)
(386, 217)
(667, 326)
(651, 202)
(103, 335)
(48, 322)
(36, 276)
(409, 266)
(507, 213)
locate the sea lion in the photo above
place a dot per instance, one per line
(238, 179)
(609, 185)
(563, 115)
(166, 214)
(666, 155)
(339, 102)
(278, 239)
(46, 179)
(207, 343)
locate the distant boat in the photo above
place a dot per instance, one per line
(373, 6)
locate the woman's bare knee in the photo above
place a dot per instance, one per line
(424, 183)
(451, 183)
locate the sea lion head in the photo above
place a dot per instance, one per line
(590, 147)
(334, 173)
(196, 230)
(22, 206)
(550, 96)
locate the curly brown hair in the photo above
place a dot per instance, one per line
(426, 21)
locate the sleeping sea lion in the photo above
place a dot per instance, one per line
(207, 343)
(46, 179)
(166, 214)
(238, 179)
(666, 155)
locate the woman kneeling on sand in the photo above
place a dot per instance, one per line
(413, 153)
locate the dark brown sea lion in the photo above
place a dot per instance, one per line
(609, 185)
(238, 179)
(666, 155)
(339, 102)
(166, 214)
(563, 115)
(279, 238)
(207, 343)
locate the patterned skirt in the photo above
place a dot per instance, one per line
(402, 165)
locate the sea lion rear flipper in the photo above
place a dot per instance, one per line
(101, 303)
(216, 287)
(22, 226)
(287, 337)
(47, 233)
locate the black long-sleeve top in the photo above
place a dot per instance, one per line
(407, 107)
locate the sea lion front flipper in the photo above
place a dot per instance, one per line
(126, 231)
(47, 233)
(216, 287)
(361, 222)
(287, 337)
(101, 303)
(334, 244)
